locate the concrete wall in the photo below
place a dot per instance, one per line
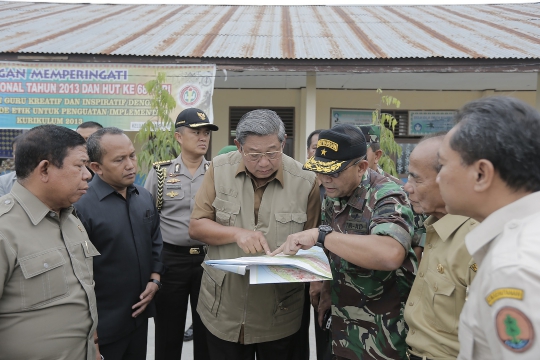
(327, 99)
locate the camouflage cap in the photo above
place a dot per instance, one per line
(372, 133)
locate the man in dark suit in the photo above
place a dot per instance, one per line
(122, 222)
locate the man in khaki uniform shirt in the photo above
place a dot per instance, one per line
(490, 172)
(47, 300)
(249, 202)
(174, 184)
(446, 270)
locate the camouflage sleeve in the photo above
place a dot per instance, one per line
(392, 215)
(419, 237)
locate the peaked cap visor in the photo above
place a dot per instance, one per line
(208, 125)
(325, 166)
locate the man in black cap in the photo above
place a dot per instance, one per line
(174, 183)
(367, 229)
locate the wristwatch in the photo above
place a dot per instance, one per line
(323, 231)
(157, 282)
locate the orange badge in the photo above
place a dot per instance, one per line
(514, 329)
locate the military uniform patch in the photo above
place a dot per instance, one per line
(172, 194)
(504, 293)
(514, 329)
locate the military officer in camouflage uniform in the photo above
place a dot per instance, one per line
(174, 184)
(372, 133)
(367, 231)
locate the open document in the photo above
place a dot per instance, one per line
(305, 266)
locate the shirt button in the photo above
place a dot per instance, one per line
(52, 214)
(512, 225)
(7, 202)
(411, 303)
(46, 266)
(413, 331)
(435, 287)
(430, 246)
(421, 274)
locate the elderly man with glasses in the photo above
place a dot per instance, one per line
(249, 202)
(367, 230)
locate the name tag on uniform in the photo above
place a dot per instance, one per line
(356, 226)
(176, 186)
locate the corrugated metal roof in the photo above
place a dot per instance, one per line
(273, 32)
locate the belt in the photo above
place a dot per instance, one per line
(187, 250)
(414, 357)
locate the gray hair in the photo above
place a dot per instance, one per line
(93, 145)
(260, 122)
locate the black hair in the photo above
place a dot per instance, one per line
(90, 124)
(504, 131)
(15, 140)
(45, 142)
(313, 133)
(95, 151)
(375, 146)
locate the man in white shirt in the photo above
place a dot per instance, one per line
(490, 172)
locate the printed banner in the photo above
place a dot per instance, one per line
(69, 94)
(430, 122)
(352, 117)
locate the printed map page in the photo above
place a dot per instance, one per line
(305, 266)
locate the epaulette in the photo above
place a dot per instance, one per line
(158, 164)
(6, 204)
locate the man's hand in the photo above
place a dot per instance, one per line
(98, 354)
(315, 288)
(325, 301)
(146, 297)
(252, 242)
(303, 240)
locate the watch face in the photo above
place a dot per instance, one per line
(325, 228)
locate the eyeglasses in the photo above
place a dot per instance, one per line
(271, 155)
(336, 175)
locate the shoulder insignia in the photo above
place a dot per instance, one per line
(504, 293)
(474, 267)
(6, 204)
(158, 164)
(514, 329)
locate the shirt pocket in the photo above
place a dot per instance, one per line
(288, 223)
(211, 288)
(442, 298)
(226, 211)
(289, 302)
(89, 252)
(173, 194)
(44, 279)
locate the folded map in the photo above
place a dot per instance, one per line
(305, 266)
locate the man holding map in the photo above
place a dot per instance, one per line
(367, 229)
(249, 202)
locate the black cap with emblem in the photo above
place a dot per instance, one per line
(336, 148)
(194, 118)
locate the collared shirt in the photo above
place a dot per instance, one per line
(178, 198)
(6, 182)
(126, 233)
(440, 288)
(47, 300)
(501, 319)
(204, 209)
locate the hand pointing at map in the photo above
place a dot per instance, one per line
(303, 240)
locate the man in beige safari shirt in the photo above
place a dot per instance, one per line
(446, 270)
(47, 300)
